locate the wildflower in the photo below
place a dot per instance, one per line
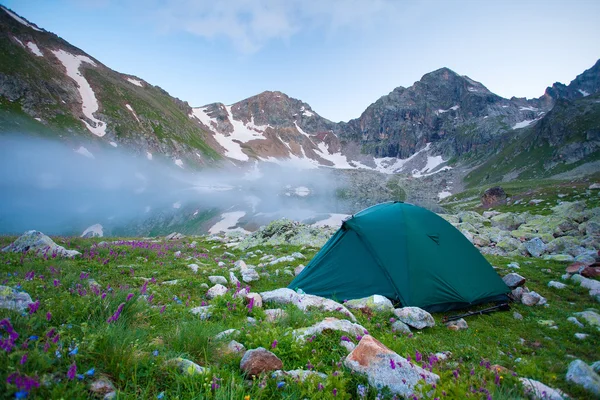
(90, 372)
(117, 314)
(29, 276)
(472, 371)
(162, 310)
(150, 298)
(358, 337)
(392, 364)
(48, 316)
(72, 371)
(74, 351)
(309, 365)
(345, 339)
(334, 392)
(274, 344)
(247, 397)
(280, 384)
(9, 343)
(129, 296)
(361, 390)
(417, 356)
(497, 379)
(33, 307)
(455, 373)
(320, 386)
(250, 304)
(23, 359)
(103, 296)
(22, 382)
(161, 395)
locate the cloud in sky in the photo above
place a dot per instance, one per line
(252, 24)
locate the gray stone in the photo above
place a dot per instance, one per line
(458, 325)
(375, 303)
(256, 299)
(349, 346)
(575, 321)
(587, 283)
(298, 256)
(12, 300)
(216, 291)
(204, 312)
(235, 347)
(233, 279)
(538, 391)
(415, 317)
(532, 298)
(103, 388)
(282, 259)
(298, 375)
(250, 275)
(304, 301)
(513, 265)
(508, 221)
(298, 269)
(399, 326)
(591, 317)
(227, 333)
(186, 366)
(174, 236)
(516, 315)
(596, 366)
(273, 314)
(513, 280)
(194, 267)
(583, 375)
(385, 368)
(40, 244)
(535, 247)
(556, 285)
(330, 324)
(582, 336)
(217, 280)
(559, 257)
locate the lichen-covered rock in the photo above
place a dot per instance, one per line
(186, 366)
(103, 388)
(259, 360)
(591, 317)
(535, 247)
(299, 374)
(204, 312)
(533, 298)
(538, 391)
(10, 299)
(375, 303)
(556, 285)
(234, 347)
(227, 333)
(285, 231)
(255, 299)
(330, 324)
(304, 301)
(217, 280)
(415, 317)
(508, 221)
(216, 291)
(250, 275)
(457, 325)
(40, 244)
(583, 375)
(273, 314)
(385, 368)
(399, 326)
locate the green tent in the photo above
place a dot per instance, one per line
(405, 253)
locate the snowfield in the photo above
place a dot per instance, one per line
(135, 82)
(22, 21)
(97, 229)
(84, 152)
(334, 220)
(35, 49)
(89, 103)
(228, 222)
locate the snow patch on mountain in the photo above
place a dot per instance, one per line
(133, 112)
(523, 124)
(228, 222)
(113, 144)
(583, 93)
(443, 194)
(96, 230)
(179, 163)
(18, 41)
(84, 152)
(232, 149)
(149, 155)
(89, 103)
(135, 82)
(35, 49)
(306, 113)
(334, 220)
(453, 108)
(22, 21)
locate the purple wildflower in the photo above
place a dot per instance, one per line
(23, 359)
(72, 371)
(129, 296)
(9, 343)
(345, 339)
(392, 364)
(117, 314)
(250, 304)
(417, 356)
(334, 392)
(144, 288)
(48, 316)
(497, 379)
(23, 382)
(162, 310)
(33, 307)
(274, 344)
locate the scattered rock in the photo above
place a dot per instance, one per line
(457, 325)
(587, 283)
(556, 285)
(559, 257)
(583, 375)
(415, 317)
(304, 301)
(330, 324)
(227, 333)
(516, 315)
(186, 366)
(575, 321)
(591, 317)
(514, 280)
(513, 265)
(535, 247)
(103, 388)
(204, 312)
(349, 346)
(12, 300)
(40, 244)
(250, 275)
(256, 299)
(299, 374)
(234, 347)
(594, 186)
(217, 280)
(375, 303)
(174, 236)
(259, 360)
(533, 298)
(493, 196)
(233, 279)
(298, 269)
(590, 272)
(194, 267)
(582, 336)
(215, 291)
(273, 314)
(538, 391)
(385, 368)
(285, 231)
(399, 326)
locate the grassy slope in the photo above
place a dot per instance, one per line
(124, 350)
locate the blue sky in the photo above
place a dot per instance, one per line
(339, 56)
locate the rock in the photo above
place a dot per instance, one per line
(217, 280)
(299, 374)
(298, 256)
(273, 314)
(493, 196)
(594, 186)
(581, 336)
(559, 257)
(186, 366)
(375, 303)
(171, 283)
(103, 388)
(592, 228)
(517, 293)
(385, 368)
(215, 291)
(538, 391)
(587, 283)
(174, 236)
(415, 317)
(12, 300)
(514, 280)
(177, 253)
(193, 244)
(513, 265)
(575, 321)
(285, 231)
(233, 279)
(583, 375)
(203, 311)
(194, 267)
(256, 299)
(535, 247)
(259, 360)
(532, 298)
(298, 269)
(282, 259)
(596, 366)
(40, 244)
(349, 346)
(330, 324)
(591, 317)
(251, 321)
(556, 285)
(204, 286)
(304, 301)
(490, 214)
(590, 272)
(250, 275)
(518, 316)
(227, 333)
(399, 326)
(457, 325)
(234, 347)
(508, 221)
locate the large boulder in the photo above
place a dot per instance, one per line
(535, 247)
(415, 317)
(385, 368)
(250, 275)
(583, 375)
(508, 221)
(186, 366)
(40, 244)
(538, 391)
(216, 291)
(12, 300)
(513, 280)
(285, 231)
(304, 301)
(330, 324)
(375, 303)
(591, 317)
(493, 196)
(259, 360)
(218, 279)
